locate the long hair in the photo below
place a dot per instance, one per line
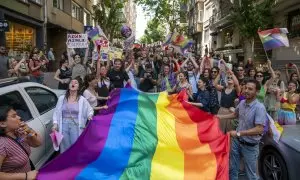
(206, 81)
(79, 91)
(87, 79)
(3, 117)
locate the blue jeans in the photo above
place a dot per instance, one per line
(70, 132)
(250, 155)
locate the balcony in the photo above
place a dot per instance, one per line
(221, 17)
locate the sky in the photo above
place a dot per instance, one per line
(141, 22)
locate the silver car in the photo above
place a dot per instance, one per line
(35, 104)
(281, 161)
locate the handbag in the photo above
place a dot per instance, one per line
(22, 147)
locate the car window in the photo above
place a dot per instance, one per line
(43, 99)
(15, 100)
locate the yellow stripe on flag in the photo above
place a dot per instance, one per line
(168, 160)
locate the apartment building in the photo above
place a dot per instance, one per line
(287, 14)
(66, 16)
(195, 22)
(43, 22)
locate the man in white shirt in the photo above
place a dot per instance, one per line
(51, 59)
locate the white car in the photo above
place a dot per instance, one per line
(35, 104)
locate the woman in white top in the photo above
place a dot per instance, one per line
(71, 115)
(91, 83)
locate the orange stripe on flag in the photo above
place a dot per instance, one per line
(199, 161)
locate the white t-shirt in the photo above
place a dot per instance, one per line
(193, 80)
(92, 99)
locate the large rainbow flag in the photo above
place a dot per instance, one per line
(146, 136)
(274, 38)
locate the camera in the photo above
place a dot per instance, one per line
(148, 75)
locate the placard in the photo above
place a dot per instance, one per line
(77, 41)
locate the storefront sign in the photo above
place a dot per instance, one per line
(77, 40)
(4, 26)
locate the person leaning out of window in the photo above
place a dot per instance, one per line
(16, 138)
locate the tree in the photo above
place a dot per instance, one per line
(248, 17)
(168, 12)
(153, 33)
(109, 15)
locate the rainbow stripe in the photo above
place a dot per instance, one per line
(274, 38)
(146, 136)
(180, 42)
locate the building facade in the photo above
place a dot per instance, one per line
(195, 23)
(26, 22)
(43, 23)
(130, 14)
(287, 14)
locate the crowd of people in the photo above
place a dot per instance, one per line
(240, 95)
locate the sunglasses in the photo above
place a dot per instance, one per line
(214, 71)
(240, 70)
(259, 75)
(229, 78)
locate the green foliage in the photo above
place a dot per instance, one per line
(249, 16)
(110, 17)
(154, 32)
(164, 11)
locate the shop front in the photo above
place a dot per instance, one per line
(20, 37)
(24, 32)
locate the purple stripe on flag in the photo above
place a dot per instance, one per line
(69, 164)
(274, 43)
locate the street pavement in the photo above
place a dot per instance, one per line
(50, 81)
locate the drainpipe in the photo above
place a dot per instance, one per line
(45, 22)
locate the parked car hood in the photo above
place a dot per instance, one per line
(291, 136)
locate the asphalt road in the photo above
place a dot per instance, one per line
(50, 81)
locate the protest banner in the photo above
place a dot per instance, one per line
(77, 41)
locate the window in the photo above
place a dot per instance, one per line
(37, 1)
(15, 100)
(43, 99)
(206, 35)
(77, 12)
(87, 18)
(59, 4)
(200, 16)
(294, 24)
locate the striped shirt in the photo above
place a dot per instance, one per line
(15, 159)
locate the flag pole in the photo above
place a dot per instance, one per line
(266, 53)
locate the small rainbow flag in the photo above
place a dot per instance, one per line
(146, 136)
(276, 128)
(274, 38)
(179, 41)
(96, 33)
